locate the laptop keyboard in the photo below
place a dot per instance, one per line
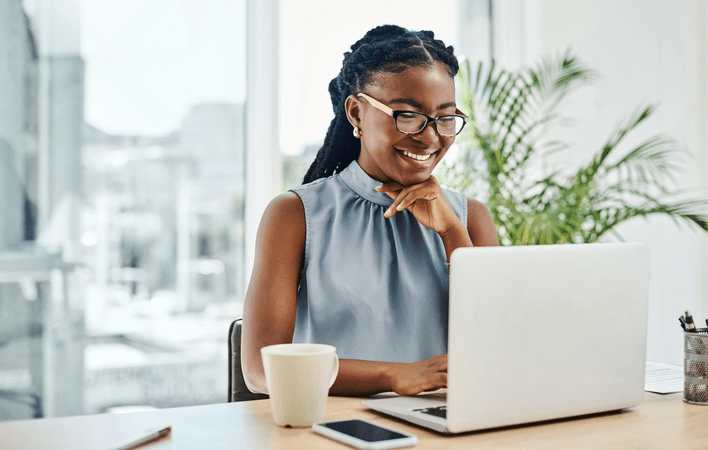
(438, 411)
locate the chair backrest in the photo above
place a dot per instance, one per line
(238, 391)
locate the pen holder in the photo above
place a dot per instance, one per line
(695, 367)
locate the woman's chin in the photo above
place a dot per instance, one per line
(410, 180)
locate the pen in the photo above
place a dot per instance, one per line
(689, 322)
(146, 437)
(683, 323)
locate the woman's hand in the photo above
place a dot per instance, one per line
(414, 378)
(426, 201)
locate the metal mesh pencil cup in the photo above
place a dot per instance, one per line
(695, 367)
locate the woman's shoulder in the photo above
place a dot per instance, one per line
(476, 207)
(321, 194)
(287, 205)
(319, 184)
(480, 224)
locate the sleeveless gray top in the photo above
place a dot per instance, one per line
(375, 288)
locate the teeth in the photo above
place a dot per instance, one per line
(417, 157)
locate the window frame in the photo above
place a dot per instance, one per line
(263, 159)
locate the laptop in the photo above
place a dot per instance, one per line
(538, 333)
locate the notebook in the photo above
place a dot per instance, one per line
(538, 333)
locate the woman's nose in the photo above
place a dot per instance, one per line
(428, 135)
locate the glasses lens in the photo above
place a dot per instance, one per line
(450, 125)
(410, 122)
(413, 122)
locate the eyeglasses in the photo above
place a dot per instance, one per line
(413, 122)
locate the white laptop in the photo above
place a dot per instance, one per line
(538, 333)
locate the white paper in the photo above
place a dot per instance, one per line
(663, 378)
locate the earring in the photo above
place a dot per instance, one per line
(357, 132)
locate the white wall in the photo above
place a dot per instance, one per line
(646, 51)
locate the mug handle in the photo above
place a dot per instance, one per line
(335, 370)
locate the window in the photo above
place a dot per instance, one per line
(130, 157)
(127, 214)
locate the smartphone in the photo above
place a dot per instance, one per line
(364, 434)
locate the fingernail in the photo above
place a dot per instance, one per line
(379, 187)
(388, 213)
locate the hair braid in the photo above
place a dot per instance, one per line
(384, 49)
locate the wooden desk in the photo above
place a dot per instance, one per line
(660, 422)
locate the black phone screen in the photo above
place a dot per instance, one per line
(363, 430)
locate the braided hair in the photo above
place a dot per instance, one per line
(384, 49)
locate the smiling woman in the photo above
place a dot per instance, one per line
(422, 91)
(310, 56)
(361, 264)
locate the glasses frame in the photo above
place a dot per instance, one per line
(395, 113)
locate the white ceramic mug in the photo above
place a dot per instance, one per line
(299, 377)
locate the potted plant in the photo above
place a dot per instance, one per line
(500, 152)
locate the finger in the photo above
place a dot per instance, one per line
(443, 379)
(394, 186)
(437, 381)
(435, 359)
(392, 189)
(406, 192)
(427, 190)
(390, 186)
(431, 382)
(438, 363)
(393, 208)
(432, 389)
(390, 211)
(439, 366)
(407, 201)
(392, 194)
(443, 367)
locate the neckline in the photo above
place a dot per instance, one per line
(360, 182)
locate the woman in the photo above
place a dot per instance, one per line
(357, 256)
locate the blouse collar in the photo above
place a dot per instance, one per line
(360, 182)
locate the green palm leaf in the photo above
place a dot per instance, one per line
(509, 112)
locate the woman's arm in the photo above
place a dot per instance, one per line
(480, 231)
(365, 378)
(480, 225)
(271, 299)
(271, 304)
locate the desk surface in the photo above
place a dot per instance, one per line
(660, 422)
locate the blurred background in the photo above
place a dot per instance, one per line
(141, 141)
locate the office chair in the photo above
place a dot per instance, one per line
(238, 391)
